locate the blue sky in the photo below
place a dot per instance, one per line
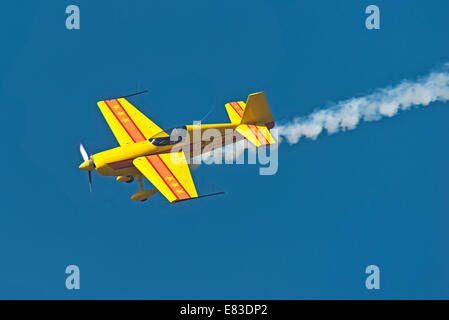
(374, 195)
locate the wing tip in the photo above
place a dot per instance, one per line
(202, 196)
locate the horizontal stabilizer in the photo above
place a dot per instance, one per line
(235, 111)
(257, 135)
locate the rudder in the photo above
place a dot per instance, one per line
(255, 111)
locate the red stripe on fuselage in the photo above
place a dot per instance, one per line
(121, 164)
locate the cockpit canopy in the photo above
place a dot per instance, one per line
(169, 137)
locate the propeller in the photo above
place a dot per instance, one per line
(90, 180)
(83, 153)
(87, 165)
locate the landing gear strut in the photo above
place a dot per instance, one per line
(142, 195)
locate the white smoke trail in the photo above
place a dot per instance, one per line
(347, 114)
(229, 153)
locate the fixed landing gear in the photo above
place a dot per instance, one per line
(142, 195)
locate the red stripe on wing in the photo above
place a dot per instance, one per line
(168, 177)
(259, 134)
(125, 120)
(237, 108)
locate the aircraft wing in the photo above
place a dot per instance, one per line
(128, 124)
(169, 173)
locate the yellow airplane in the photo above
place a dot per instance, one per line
(161, 155)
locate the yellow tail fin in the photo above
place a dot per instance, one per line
(254, 119)
(255, 111)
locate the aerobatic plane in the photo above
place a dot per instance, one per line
(161, 156)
